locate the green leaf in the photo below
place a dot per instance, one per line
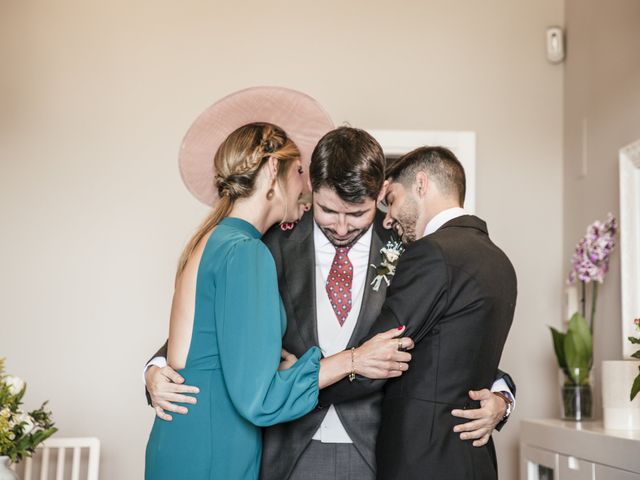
(578, 349)
(23, 443)
(575, 354)
(558, 346)
(579, 325)
(50, 432)
(635, 388)
(636, 355)
(634, 340)
(21, 393)
(575, 350)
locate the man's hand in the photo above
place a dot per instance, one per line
(287, 360)
(483, 420)
(165, 387)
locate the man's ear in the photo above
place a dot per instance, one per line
(383, 191)
(421, 184)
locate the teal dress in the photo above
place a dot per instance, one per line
(233, 358)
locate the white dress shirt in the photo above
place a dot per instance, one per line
(333, 338)
(443, 217)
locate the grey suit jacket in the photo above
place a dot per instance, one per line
(294, 254)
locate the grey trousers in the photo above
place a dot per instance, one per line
(331, 461)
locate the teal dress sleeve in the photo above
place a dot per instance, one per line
(249, 324)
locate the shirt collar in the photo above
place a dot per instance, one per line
(443, 217)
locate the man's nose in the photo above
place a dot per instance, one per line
(341, 226)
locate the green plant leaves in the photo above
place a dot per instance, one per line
(574, 349)
(558, 347)
(634, 340)
(636, 387)
(579, 329)
(15, 441)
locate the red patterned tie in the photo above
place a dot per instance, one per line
(339, 284)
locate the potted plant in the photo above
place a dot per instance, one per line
(20, 432)
(635, 387)
(574, 348)
(620, 387)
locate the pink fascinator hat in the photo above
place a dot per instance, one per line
(301, 117)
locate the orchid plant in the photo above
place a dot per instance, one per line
(590, 261)
(590, 264)
(20, 432)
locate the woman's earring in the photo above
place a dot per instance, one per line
(287, 226)
(270, 193)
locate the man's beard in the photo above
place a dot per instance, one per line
(405, 224)
(343, 243)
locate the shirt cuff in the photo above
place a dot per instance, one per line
(501, 386)
(159, 362)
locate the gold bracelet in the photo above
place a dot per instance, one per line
(352, 375)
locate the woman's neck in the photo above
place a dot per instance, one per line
(258, 211)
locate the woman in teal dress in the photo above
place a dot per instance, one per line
(227, 322)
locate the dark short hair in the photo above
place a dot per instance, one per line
(350, 162)
(440, 164)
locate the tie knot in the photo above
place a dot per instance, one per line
(343, 250)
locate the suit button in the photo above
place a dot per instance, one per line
(435, 331)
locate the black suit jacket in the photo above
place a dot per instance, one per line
(456, 293)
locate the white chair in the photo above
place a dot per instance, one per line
(83, 454)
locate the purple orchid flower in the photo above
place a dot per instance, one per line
(590, 261)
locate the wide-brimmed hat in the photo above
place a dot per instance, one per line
(301, 117)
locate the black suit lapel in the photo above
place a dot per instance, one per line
(299, 274)
(371, 300)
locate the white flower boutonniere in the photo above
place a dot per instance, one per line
(390, 255)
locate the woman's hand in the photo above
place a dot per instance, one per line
(287, 360)
(384, 355)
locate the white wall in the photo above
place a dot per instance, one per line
(602, 89)
(97, 95)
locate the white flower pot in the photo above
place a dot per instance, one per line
(5, 472)
(617, 378)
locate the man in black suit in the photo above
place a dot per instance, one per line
(455, 291)
(347, 174)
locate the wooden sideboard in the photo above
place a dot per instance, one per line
(563, 450)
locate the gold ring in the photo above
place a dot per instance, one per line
(400, 345)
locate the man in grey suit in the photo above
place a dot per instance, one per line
(337, 442)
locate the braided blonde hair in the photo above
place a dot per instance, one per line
(237, 163)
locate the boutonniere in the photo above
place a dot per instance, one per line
(390, 255)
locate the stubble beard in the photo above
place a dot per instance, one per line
(407, 220)
(344, 243)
